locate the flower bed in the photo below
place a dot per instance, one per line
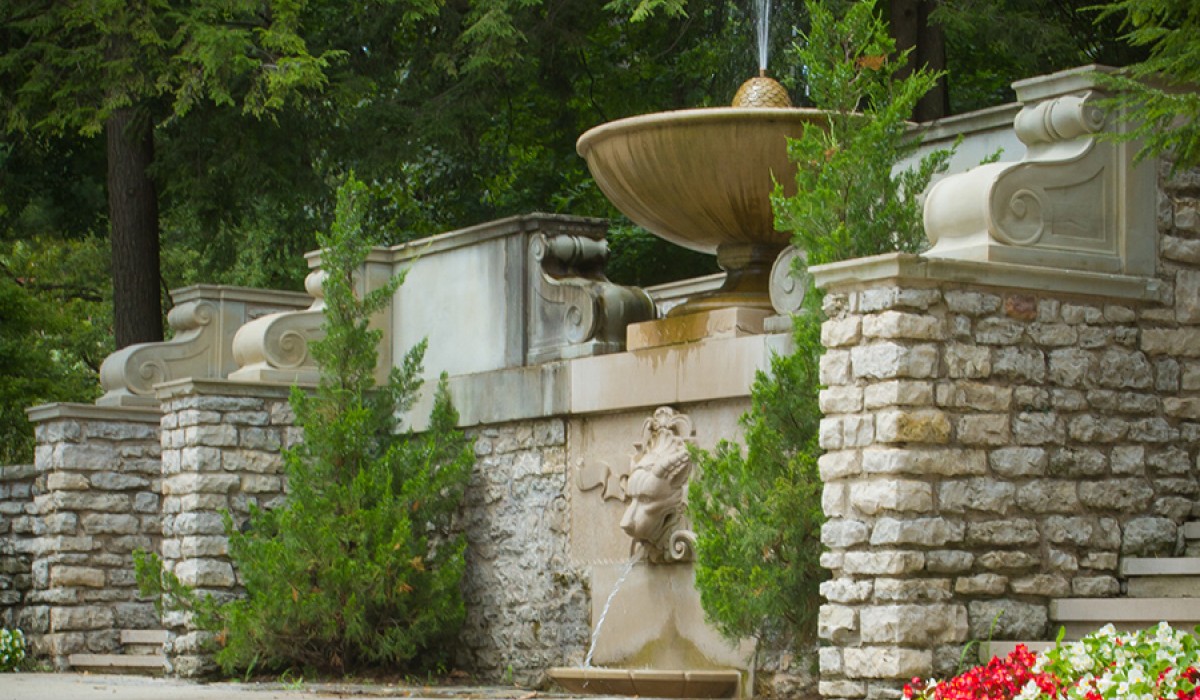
(1151, 664)
(12, 649)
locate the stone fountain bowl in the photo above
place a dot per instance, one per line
(700, 178)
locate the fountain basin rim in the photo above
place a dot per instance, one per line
(695, 116)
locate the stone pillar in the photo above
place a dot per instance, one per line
(221, 446)
(994, 440)
(16, 540)
(96, 501)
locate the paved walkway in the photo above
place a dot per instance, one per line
(83, 686)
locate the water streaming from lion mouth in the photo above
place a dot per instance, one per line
(587, 661)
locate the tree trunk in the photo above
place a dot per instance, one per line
(910, 27)
(133, 216)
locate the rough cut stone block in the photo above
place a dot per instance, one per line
(879, 495)
(948, 561)
(1018, 461)
(83, 457)
(835, 367)
(971, 303)
(1149, 537)
(1007, 619)
(981, 584)
(1053, 334)
(1178, 342)
(918, 425)
(1008, 561)
(1095, 587)
(839, 465)
(106, 523)
(895, 324)
(882, 298)
(927, 532)
(90, 617)
(940, 462)
(913, 624)
(912, 590)
(197, 524)
(898, 393)
(58, 431)
(842, 689)
(90, 500)
(1124, 369)
(200, 459)
(839, 332)
(1128, 495)
(840, 534)
(837, 623)
(1045, 585)
(112, 481)
(66, 481)
(1048, 496)
(891, 563)
(844, 590)
(1021, 364)
(980, 495)
(1038, 429)
(841, 399)
(76, 576)
(887, 662)
(1003, 533)
(209, 573)
(1082, 461)
(1070, 366)
(967, 361)
(985, 429)
(204, 482)
(833, 500)
(888, 360)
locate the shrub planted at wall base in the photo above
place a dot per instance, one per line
(12, 649)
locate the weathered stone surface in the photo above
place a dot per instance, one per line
(841, 399)
(76, 576)
(837, 623)
(1082, 461)
(839, 332)
(1095, 586)
(919, 425)
(948, 561)
(971, 303)
(915, 625)
(879, 495)
(883, 562)
(886, 662)
(1018, 461)
(1003, 533)
(844, 590)
(889, 360)
(920, 531)
(984, 429)
(941, 462)
(1045, 585)
(839, 465)
(981, 495)
(1129, 495)
(105, 523)
(898, 393)
(1007, 561)
(1006, 619)
(912, 590)
(835, 367)
(1037, 429)
(900, 325)
(1148, 537)
(844, 533)
(1048, 496)
(1178, 342)
(981, 584)
(968, 361)
(1070, 366)
(1020, 364)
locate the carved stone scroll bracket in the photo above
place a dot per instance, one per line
(275, 348)
(655, 489)
(574, 311)
(205, 320)
(789, 281)
(1074, 202)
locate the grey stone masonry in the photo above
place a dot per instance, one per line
(221, 445)
(990, 448)
(95, 501)
(16, 539)
(527, 606)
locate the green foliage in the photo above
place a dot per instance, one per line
(758, 514)
(358, 567)
(12, 649)
(1160, 91)
(848, 203)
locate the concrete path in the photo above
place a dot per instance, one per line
(81, 686)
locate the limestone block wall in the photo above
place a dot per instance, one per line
(95, 502)
(220, 452)
(527, 605)
(16, 539)
(990, 448)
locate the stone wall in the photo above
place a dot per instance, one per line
(16, 539)
(220, 453)
(95, 502)
(989, 449)
(527, 606)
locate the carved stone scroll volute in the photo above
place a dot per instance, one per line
(574, 310)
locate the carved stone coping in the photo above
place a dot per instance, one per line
(1074, 201)
(85, 411)
(221, 387)
(205, 319)
(671, 294)
(907, 267)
